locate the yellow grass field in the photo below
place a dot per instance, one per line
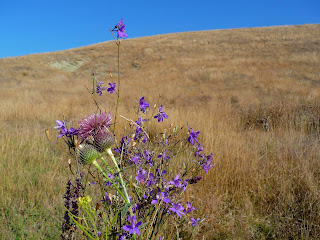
(253, 93)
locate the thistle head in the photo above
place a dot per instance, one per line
(87, 153)
(94, 124)
(103, 141)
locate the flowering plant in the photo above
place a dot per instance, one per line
(132, 186)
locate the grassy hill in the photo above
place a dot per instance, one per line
(253, 93)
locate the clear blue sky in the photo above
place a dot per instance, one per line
(36, 26)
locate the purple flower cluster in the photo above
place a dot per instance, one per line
(119, 28)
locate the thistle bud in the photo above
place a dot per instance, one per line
(87, 153)
(103, 141)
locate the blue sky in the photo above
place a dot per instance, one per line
(36, 26)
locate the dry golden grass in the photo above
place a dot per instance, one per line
(229, 84)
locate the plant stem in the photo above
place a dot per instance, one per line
(118, 98)
(96, 164)
(120, 176)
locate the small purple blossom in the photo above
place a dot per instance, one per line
(176, 182)
(112, 87)
(134, 226)
(161, 196)
(195, 222)
(148, 157)
(207, 164)
(99, 88)
(135, 159)
(178, 209)
(64, 131)
(161, 115)
(150, 180)
(190, 208)
(110, 176)
(141, 176)
(143, 105)
(164, 155)
(121, 32)
(119, 24)
(193, 136)
(199, 150)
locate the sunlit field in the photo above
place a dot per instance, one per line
(254, 94)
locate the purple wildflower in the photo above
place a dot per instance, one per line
(178, 209)
(99, 233)
(64, 131)
(199, 150)
(190, 208)
(110, 176)
(193, 136)
(161, 196)
(135, 159)
(207, 164)
(194, 180)
(164, 155)
(119, 24)
(99, 88)
(161, 115)
(134, 226)
(112, 87)
(148, 157)
(150, 180)
(141, 176)
(121, 32)
(123, 236)
(195, 222)
(143, 105)
(176, 182)
(94, 124)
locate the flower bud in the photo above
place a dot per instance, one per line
(103, 141)
(87, 153)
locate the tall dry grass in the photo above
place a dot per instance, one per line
(229, 84)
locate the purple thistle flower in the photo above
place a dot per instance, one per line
(161, 115)
(112, 87)
(195, 222)
(99, 88)
(193, 136)
(178, 209)
(94, 124)
(143, 105)
(141, 176)
(190, 208)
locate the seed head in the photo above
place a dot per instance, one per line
(87, 153)
(103, 141)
